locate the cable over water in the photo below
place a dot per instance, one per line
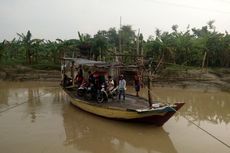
(16, 105)
(213, 136)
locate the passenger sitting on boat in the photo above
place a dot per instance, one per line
(79, 77)
(122, 87)
(91, 78)
(67, 81)
(101, 81)
(110, 83)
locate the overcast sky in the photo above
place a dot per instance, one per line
(51, 19)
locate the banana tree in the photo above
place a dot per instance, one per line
(85, 44)
(28, 43)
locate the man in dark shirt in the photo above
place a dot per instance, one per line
(137, 84)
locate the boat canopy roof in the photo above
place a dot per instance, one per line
(91, 63)
(99, 64)
(82, 61)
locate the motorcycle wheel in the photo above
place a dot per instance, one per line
(115, 94)
(101, 97)
(80, 93)
(88, 96)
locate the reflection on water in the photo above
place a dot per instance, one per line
(40, 114)
(13, 94)
(93, 134)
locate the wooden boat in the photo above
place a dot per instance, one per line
(135, 109)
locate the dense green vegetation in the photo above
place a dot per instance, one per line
(194, 47)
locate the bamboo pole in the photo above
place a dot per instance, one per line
(100, 54)
(142, 56)
(138, 46)
(159, 63)
(149, 86)
(72, 72)
(63, 69)
(120, 49)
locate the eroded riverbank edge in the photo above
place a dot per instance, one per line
(213, 79)
(22, 73)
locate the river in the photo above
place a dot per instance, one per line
(36, 117)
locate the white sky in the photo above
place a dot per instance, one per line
(51, 19)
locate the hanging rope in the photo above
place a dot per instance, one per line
(207, 132)
(11, 107)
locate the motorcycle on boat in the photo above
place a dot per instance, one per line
(104, 95)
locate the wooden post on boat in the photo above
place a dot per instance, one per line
(63, 69)
(64, 66)
(149, 85)
(116, 61)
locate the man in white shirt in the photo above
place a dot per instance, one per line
(122, 87)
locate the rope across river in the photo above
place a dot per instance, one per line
(26, 101)
(213, 136)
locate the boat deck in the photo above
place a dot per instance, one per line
(130, 102)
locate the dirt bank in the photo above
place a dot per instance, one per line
(22, 73)
(208, 79)
(215, 78)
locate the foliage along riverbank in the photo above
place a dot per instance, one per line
(195, 47)
(199, 47)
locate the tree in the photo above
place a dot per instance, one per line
(67, 47)
(1, 50)
(100, 44)
(28, 43)
(85, 44)
(127, 38)
(113, 38)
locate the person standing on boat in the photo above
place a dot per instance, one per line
(122, 87)
(79, 76)
(137, 84)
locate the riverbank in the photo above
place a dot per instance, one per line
(194, 78)
(23, 73)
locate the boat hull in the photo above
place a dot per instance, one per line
(158, 119)
(152, 116)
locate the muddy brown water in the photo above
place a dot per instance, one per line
(36, 117)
